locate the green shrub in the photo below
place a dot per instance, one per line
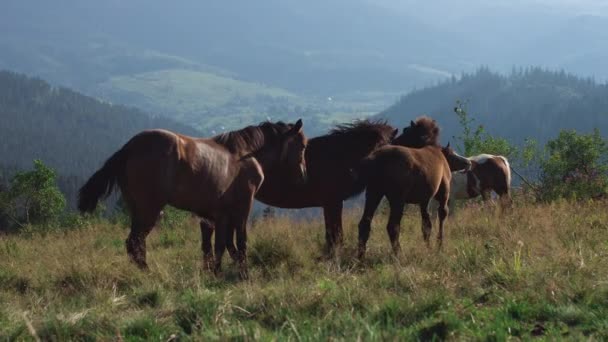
(575, 167)
(33, 198)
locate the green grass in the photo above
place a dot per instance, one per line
(539, 270)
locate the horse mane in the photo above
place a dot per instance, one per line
(421, 132)
(251, 138)
(431, 129)
(360, 126)
(347, 143)
(359, 132)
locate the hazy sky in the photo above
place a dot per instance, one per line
(462, 7)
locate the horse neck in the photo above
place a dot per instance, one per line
(474, 164)
(268, 157)
(246, 143)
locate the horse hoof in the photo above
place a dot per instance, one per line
(396, 251)
(142, 265)
(217, 271)
(207, 267)
(323, 257)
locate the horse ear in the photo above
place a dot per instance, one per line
(448, 144)
(404, 129)
(412, 124)
(297, 128)
(395, 132)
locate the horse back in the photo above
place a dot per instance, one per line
(421, 171)
(188, 173)
(493, 172)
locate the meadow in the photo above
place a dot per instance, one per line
(538, 270)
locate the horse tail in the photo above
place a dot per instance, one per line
(507, 170)
(102, 183)
(360, 176)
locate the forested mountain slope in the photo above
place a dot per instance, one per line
(68, 131)
(530, 103)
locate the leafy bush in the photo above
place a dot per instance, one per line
(33, 197)
(575, 167)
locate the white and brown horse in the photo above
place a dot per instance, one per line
(488, 173)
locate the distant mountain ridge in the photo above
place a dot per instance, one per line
(528, 103)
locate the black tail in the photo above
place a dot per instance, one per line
(101, 184)
(360, 176)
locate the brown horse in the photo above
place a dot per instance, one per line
(215, 178)
(488, 173)
(330, 159)
(408, 175)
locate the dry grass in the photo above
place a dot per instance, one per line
(537, 270)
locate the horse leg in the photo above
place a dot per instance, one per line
(230, 247)
(144, 217)
(136, 241)
(506, 200)
(427, 225)
(207, 228)
(206, 233)
(372, 200)
(504, 195)
(241, 243)
(444, 210)
(333, 228)
(442, 197)
(486, 194)
(221, 228)
(393, 227)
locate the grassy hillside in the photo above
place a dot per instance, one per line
(538, 271)
(206, 89)
(210, 101)
(195, 96)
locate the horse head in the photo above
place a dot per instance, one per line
(424, 131)
(293, 149)
(456, 161)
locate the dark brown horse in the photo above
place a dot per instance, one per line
(215, 178)
(330, 159)
(408, 175)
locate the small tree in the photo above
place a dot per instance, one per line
(575, 166)
(475, 140)
(33, 197)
